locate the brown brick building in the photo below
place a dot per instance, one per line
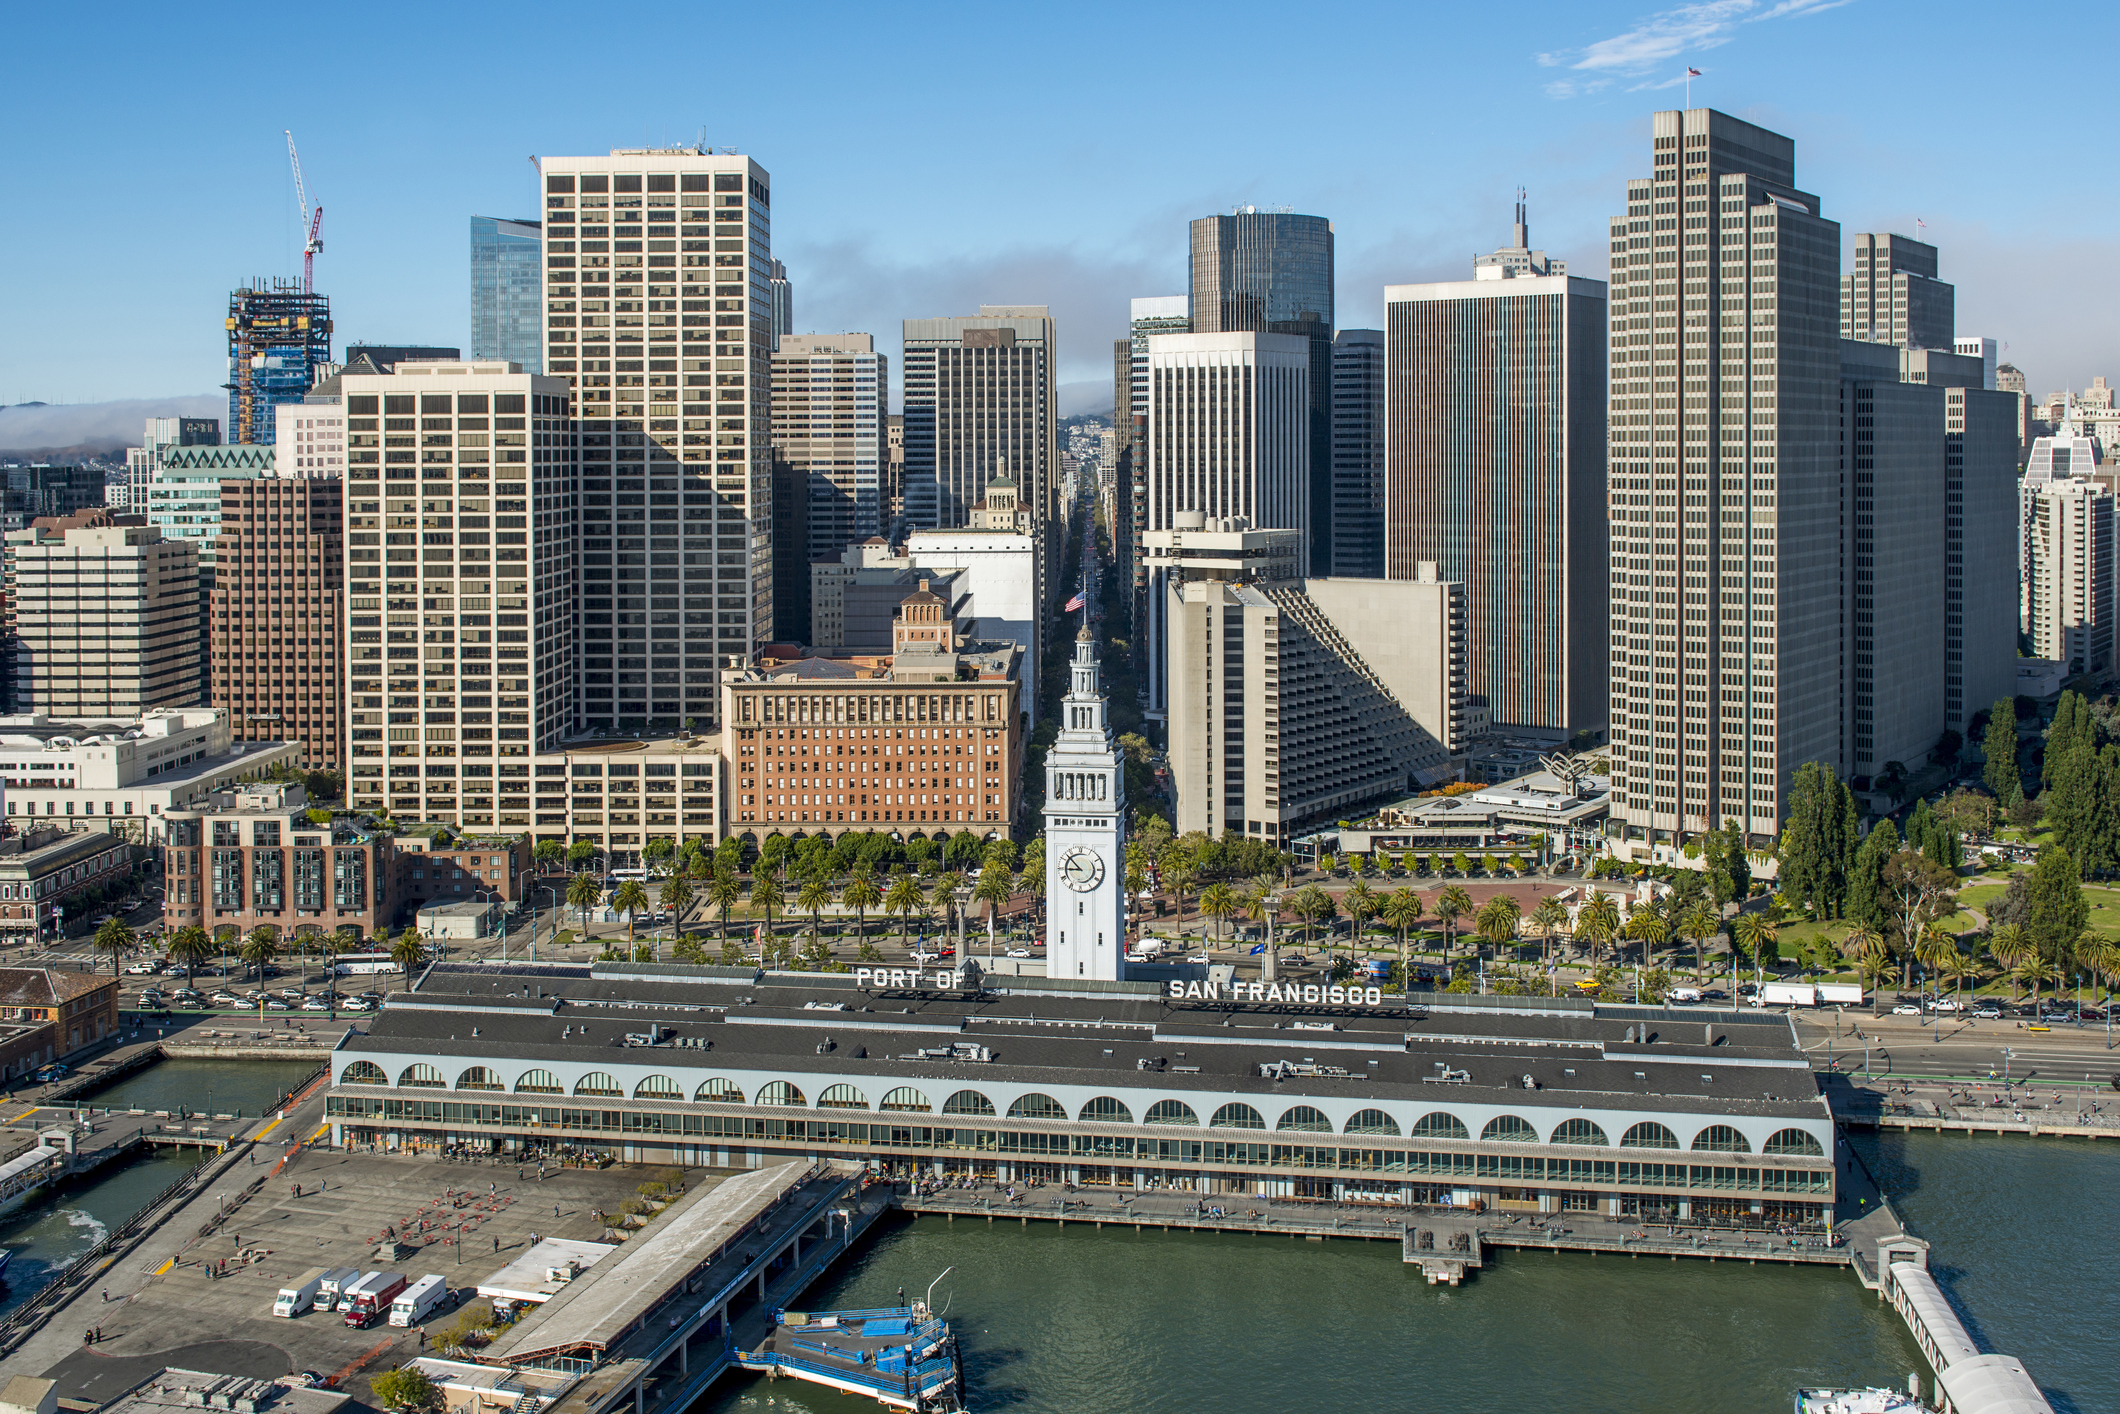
(47, 1015)
(498, 868)
(253, 857)
(275, 620)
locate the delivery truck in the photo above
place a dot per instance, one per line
(371, 1298)
(333, 1287)
(1786, 994)
(300, 1294)
(1840, 993)
(419, 1301)
(346, 1290)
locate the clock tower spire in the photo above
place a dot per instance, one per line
(1085, 832)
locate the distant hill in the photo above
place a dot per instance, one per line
(82, 431)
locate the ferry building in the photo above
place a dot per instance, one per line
(1525, 1104)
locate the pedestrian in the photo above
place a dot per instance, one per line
(99, 1335)
(106, 1295)
(423, 1337)
(496, 1242)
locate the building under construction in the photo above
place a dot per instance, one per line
(277, 338)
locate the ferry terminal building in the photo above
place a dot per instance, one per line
(1527, 1104)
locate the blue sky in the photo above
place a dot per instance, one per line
(930, 157)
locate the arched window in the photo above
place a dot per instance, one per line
(538, 1082)
(1721, 1139)
(1170, 1112)
(1373, 1122)
(1509, 1129)
(906, 1100)
(1579, 1131)
(422, 1075)
(1305, 1119)
(363, 1073)
(1795, 1142)
(1648, 1135)
(715, 1090)
(968, 1102)
(1106, 1110)
(1037, 1106)
(658, 1087)
(598, 1083)
(779, 1092)
(479, 1078)
(1437, 1125)
(1237, 1116)
(842, 1097)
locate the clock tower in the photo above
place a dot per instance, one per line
(1085, 834)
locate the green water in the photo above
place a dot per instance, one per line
(1082, 1319)
(60, 1224)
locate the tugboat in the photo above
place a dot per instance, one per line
(904, 1357)
(1858, 1401)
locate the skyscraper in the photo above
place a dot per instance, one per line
(980, 389)
(1725, 491)
(663, 328)
(278, 337)
(106, 621)
(142, 461)
(829, 393)
(783, 298)
(461, 637)
(275, 614)
(1152, 315)
(1495, 472)
(508, 292)
(1229, 437)
(1358, 453)
(1892, 296)
(1271, 272)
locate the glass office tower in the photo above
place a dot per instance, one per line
(1270, 272)
(507, 292)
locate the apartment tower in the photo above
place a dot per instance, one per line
(275, 616)
(1271, 272)
(829, 394)
(1724, 476)
(980, 391)
(658, 316)
(461, 593)
(106, 621)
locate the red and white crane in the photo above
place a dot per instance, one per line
(312, 218)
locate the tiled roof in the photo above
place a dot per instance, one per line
(43, 986)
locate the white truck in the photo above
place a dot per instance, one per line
(301, 1294)
(1786, 994)
(333, 1286)
(419, 1301)
(350, 1289)
(1685, 996)
(1840, 994)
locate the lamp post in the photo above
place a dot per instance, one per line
(494, 895)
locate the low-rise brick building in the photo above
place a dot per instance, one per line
(253, 857)
(460, 871)
(48, 1015)
(42, 872)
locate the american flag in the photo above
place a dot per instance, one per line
(1692, 73)
(1073, 604)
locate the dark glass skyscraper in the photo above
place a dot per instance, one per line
(1270, 272)
(508, 292)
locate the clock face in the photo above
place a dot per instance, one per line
(1082, 869)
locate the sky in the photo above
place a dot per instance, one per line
(928, 158)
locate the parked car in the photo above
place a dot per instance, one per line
(1197, 957)
(316, 1004)
(1946, 1004)
(1986, 1011)
(224, 997)
(276, 1004)
(356, 1004)
(1906, 1009)
(175, 969)
(143, 969)
(55, 1071)
(1019, 952)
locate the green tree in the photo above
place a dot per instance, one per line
(1402, 909)
(1917, 894)
(1699, 923)
(904, 899)
(1754, 931)
(861, 895)
(261, 947)
(409, 953)
(656, 855)
(1218, 901)
(1727, 868)
(580, 853)
(996, 886)
(811, 899)
(2000, 744)
(1547, 919)
(1360, 905)
(1497, 922)
(722, 894)
(1647, 927)
(631, 899)
(2011, 946)
(1868, 901)
(548, 854)
(1451, 904)
(584, 892)
(1817, 845)
(676, 896)
(1314, 906)
(115, 941)
(1597, 920)
(2058, 912)
(766, 895)
(409, 1389)
(190, 948)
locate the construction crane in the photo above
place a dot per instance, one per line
(313, 219)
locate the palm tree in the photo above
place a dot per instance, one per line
(1936, 948)
(1699, 923)
(1755, 933)
(722, 893)
(584, 891)
(1179, 877)
(1547, 919)
(1257, 903)
(189, 947)
(1597, 920)
(261, 947)
(815, 893)
(1451, 904)
(1402, 909)
(765, 894)
(1857, 941)
(1874, 964)
(1360, 904)
(1497, 922)
(114, 940)
(995, 888)
(1218, 901)
(1313, 905)
(2009, 946)
(861, 895)
(676, 896)
(2099, 955)
(631, 899)
(409, 953)
(1647, 927)
(902, 898)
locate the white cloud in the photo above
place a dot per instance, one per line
(1665, 35)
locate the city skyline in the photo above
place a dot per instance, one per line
(394, 232)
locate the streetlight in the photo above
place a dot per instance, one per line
(494, 894)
